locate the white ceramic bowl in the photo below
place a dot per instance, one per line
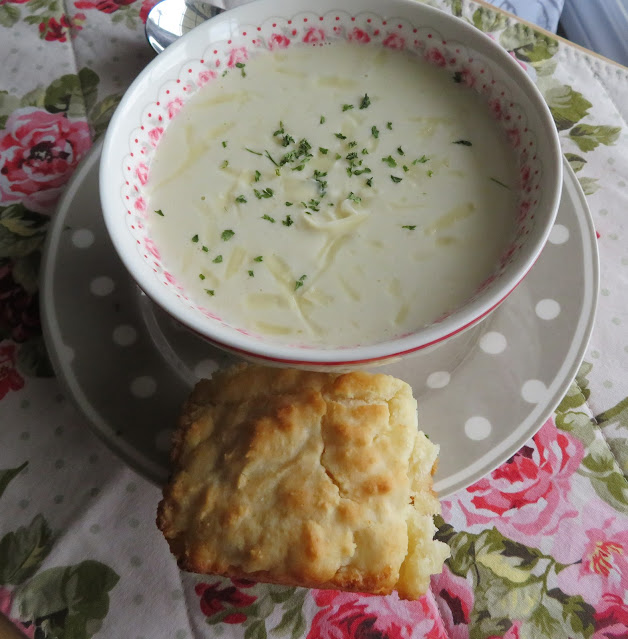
(461, 50)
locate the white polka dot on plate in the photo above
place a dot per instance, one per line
(559, 234)
(205, 368)
(102, 286)
(477, 428)
(493, 343)
(439, 379)
(547, 309)
(143, 387)
(163, 440)
(82, 238)
(124, 335)
(534, 391)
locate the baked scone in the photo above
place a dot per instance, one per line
(302, 478)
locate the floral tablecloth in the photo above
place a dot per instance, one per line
(539, 547)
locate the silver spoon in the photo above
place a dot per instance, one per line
(170, 19)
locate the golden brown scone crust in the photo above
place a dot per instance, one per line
(302, 478)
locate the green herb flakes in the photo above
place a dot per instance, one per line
(241, 199)
(264, 193)
(210, 292)
(160, 212)
(259, 258)
(217, 259)
(224, 144)
(422, 160)
(390, 160)
(299, 283)
(369, 182)
(258, 175)
(389, 126)
(405, 168)
(227, 235)
(288, 221)
(241, 65)
(225, 164)
(463, 142)
(205, 249)
(430, 173)
(395, 179)
(201, 276)
(289, 203)
(410, 227)
(323, 151)
(400, 151)
(365, 103)
(246, 148)
(251, 274)
(340, 136)
(354, 198)
(267, 217)
(322, 120)
(347, 107)
(375, 132)
(195, 239)
(500, 183)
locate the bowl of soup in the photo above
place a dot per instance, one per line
(330, 184)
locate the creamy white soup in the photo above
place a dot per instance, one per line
(332, 195)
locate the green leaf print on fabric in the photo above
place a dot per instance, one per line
(22, 551)
(9, 15)
(589, 185)
(576, 162)
(67, 602)
(486, 19)
(527, 44)
(7, 474)
(567, 106)
(100, 115)
(21, 231)
(68, 94)
(613, 422)
(588, 137)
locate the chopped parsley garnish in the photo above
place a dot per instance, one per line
(217, 259)
(160, 212)
(227, 235)
(463, 142)
(365, 152)
(410, 227)
(340, 136)
(458, 77)
(338, 156)
(322, 150)
(360, 171)
(270, 157)
(369, 182)
(225, 164)
(205, 249)
(267, 217)
(210, 292)
(395, 179)
(277, 171)
(365, 102)
(430, 173)
(264, 193)
(224, 144)
(400, 151)
(241, 199)
(390, 160)
(389, 126)
(322, 120)
(201, 276)
(351, 156)
(258, 175)
(352, 144)
(299, 283)
(241, 66)
(259, 258)
(280, 130)
(354, 198)
(347, 107)
(405, 168)
(246, 148)
(251, 274)
(289, 203)
(288, 221)
(375, 132)
(422, 160)
(500, 183)
(195, 239)
(312, 204)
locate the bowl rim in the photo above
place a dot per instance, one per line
(464, 317)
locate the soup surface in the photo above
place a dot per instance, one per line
(332, 195)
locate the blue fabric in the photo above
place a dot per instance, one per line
(545, 13)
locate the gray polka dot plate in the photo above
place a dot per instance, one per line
(128, 366)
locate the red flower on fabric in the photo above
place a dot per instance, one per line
(106, 6)
(10, 379)
(528, 496)
(278, 41)
(5, 608)
(19, 314)
(359, 35)
(214, 598)
(511, 633)
(454, 597)
(38, 153)
(345, 615)
(394, 41)
(52, 29)
(147, 5)
(611, 618)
